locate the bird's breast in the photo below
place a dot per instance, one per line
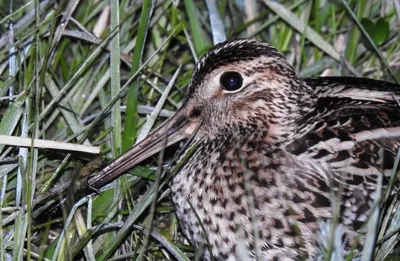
(234, 192)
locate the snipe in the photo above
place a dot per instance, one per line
(274, 153)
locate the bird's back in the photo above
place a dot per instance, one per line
(355, 126)
(354, 132)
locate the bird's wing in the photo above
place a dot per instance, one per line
(355, 132)
(355, 125)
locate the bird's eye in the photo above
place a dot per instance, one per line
(231, 81)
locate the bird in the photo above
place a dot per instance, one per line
(273, 154)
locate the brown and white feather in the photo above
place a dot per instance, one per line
(298, 144)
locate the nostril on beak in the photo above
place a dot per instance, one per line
(195, 112)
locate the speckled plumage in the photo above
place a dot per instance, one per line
(274, 157)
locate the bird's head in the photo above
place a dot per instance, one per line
(245, 85)
(239, 87)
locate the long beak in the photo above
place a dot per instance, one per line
(174, 129)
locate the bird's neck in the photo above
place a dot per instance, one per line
(277, 114)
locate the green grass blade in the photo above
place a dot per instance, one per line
(200, 39)
(129, 135)
(378, 52)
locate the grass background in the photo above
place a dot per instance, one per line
(105, 73)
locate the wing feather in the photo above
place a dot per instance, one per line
(355, 131)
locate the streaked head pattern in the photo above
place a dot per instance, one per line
(246, 83)
(274, 154)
